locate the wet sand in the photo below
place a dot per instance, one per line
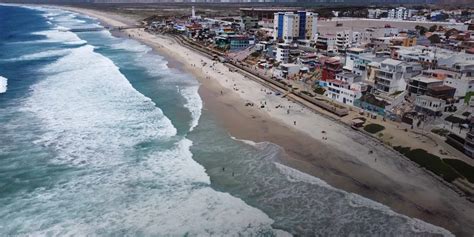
(342, 161)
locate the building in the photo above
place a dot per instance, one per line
(232, 42)
(346, 39)
(326, 43)
(366, 65)
(352, 54)
(375, 13)
(429, 105)
(331, 67)
(469, 141)
(420, 84)
(392, 76)
(400, 13)
(460, 77)
(289, 26)
(282, 53)
(248, 22)
(346, 88)
(286, 70)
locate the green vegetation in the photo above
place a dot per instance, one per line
(434, 39)
(467, 97)
(255, 54)
(319, 90)
(421, 29)
(430, 162)
(463, 168)
(440, 131)
(373, 128)
(466, 114)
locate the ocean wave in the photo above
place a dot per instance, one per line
(41, 55)
(3, 84)
(60, 36)
(193, 104)
(132, 175)
(130, 45)
(358, 202)
(248, 142)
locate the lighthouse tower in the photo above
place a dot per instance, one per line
(193, 15)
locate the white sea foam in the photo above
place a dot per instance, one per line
(193, 104)
(135, 176)
(3, 84)
(41, 55)
(130, 45)
(357, 201)
(248, 142)
(60, 36)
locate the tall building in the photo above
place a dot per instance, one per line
(400, 13)
(289, 26)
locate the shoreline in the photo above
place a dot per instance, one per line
(383, 182)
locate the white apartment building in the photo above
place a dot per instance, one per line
(282, 53)
(289, 26)
(346, 88)
(400, 13)
(429, 105)
(326, 42)
(392, 76)
(346, 39)
(352, 54)
(375, 13)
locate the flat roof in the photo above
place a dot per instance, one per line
(426, 79)
(392, 62)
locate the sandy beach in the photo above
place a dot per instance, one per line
(313, 143)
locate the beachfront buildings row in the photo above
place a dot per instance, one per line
(290, 26)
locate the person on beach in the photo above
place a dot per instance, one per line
(294, 122)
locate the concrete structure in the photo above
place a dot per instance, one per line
(420, 84)
(400, 13)
(289, 26)
(331, 68)
(392, 75)
(326, 43)
(366, 64)
(352, 54)
(346, 88)
(375, 13)
(282, 53)
(286, 70)
(429, 105)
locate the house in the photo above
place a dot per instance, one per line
(392, 76)
(352, 54)
(429, 105)
(282, 53)
(331, 67)
(326, 43)
(344, 92)
(420, 84)
(286, 70)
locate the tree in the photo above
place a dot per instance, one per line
(434, 39)
(433, 28)
(421, 29)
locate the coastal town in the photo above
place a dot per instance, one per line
(237, 118)
(402, 76)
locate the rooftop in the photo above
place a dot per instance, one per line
(392, 62)
(426, 79)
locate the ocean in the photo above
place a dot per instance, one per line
(98, 136)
